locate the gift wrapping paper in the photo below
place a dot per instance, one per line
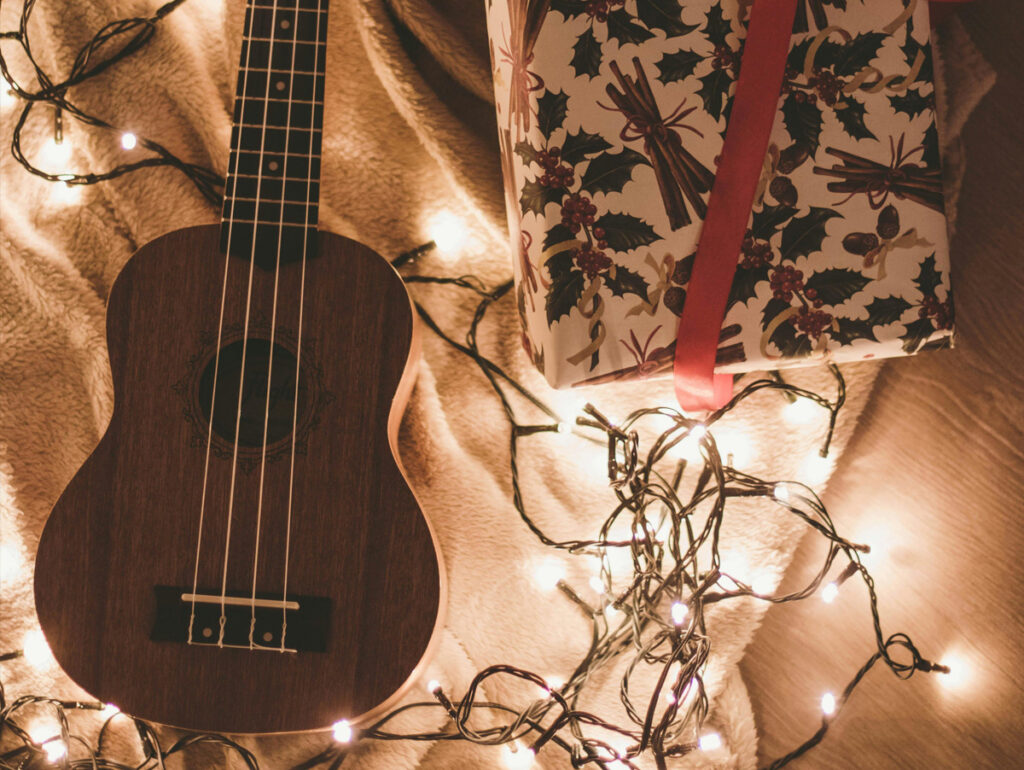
(611, 117)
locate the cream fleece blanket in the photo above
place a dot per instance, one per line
(408, 138)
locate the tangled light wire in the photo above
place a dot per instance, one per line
(656, 618)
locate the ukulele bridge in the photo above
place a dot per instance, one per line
(238, 620)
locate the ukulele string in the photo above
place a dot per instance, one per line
(245, 333)
(216, 363)
(320, 11)
(273, 316)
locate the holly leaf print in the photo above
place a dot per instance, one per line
(610, 171)
(570, 9)
(836, 285)
(625, 282)
(559, 265)
(910, 49)
(858, 53)
(557, 234)
(804, 234)
(527, 152)
(802, 121)
(931, 147)
(852, 119)
(624, 232)
(563, 295)
(785, 337)
(765, 222)
(744, 284)
(551, 111)
(942, 343)
(929, 278)
(912, 103)
(586, 57)
(621, 27)
(886, 310)
(850, 329)
(713, 90)
(678, 66)
(577, 146)
(917, 332)
(717, 26)
(663, 15)
(536, 196)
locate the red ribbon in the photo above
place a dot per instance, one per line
(732, 196)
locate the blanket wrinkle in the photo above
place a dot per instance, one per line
(396, 156)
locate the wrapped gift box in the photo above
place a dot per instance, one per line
(611, 118)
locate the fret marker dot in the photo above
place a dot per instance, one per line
(272, 165)
(285, 23)
(279, 85)
(267, 636)
(207, 632)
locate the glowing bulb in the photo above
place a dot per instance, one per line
(517, 757)
(56, 154)
(7, 96)
(679, 612)
(55, 749)
(448, 232)
(565, 427)
(554, 682)
(597, 584)
(342, 731)
(735, 445)
(959, 672)
(815, 469)
(129, 140)
(801, 411)
(710, 742)
(10, 562)
(828, 704)
(762, 584)
(433, 686)
(109, 710)
(689, 448)
(36, 650)
(829, 593)
(781, 493)
(64, 193)
(548, 573)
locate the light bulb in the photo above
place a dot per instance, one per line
(36, 650)
(342, 731)
(517, 757)
(815, 469)
(109, 710)
(679, 612)
(763, 584)
(448, 232)
(710, 742)
(55, 750)
(554, 682)
(735, 446)
(548, 573)
(959, 675)
(829, 593)
(781, 492)
(433, 686)
(828, 704)
(129, 140)
(801, 411)
(7, 96)
(55, 155)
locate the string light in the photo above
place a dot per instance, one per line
(36, 650)
(129, 140)
(815, 469)
(55, 749)
(781, 493)
(7, 96)
(433, 686)
(829, 593)
(548, 573)
(828, 704)
(554, 682)
(801, 411)
(448, 232)
(342, 731)
(679, 611)
(597, 584)
(959, 674)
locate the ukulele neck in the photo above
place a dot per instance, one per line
(272, 191)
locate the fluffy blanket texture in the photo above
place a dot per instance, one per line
(409, 137)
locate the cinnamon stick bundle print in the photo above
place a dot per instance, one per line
(915, 182)
(526, 17)
(681, 177)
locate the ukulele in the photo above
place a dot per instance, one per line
(241, 552)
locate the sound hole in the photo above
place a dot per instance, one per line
(279, 416)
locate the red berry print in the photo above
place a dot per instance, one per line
(785, 280)
(590, 260)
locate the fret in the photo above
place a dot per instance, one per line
(276, 140)
(278, 114)
(311, 5)
(285, 24)
(269, 212)
(283, 54)
(270, 188)
(267, 240)
(301, 86)
(300, 166)
(243, 223)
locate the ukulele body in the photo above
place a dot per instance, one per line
(353, 549)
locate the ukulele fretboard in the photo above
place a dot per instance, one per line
(273, 182)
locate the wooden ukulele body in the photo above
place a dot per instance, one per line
(356, 542)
